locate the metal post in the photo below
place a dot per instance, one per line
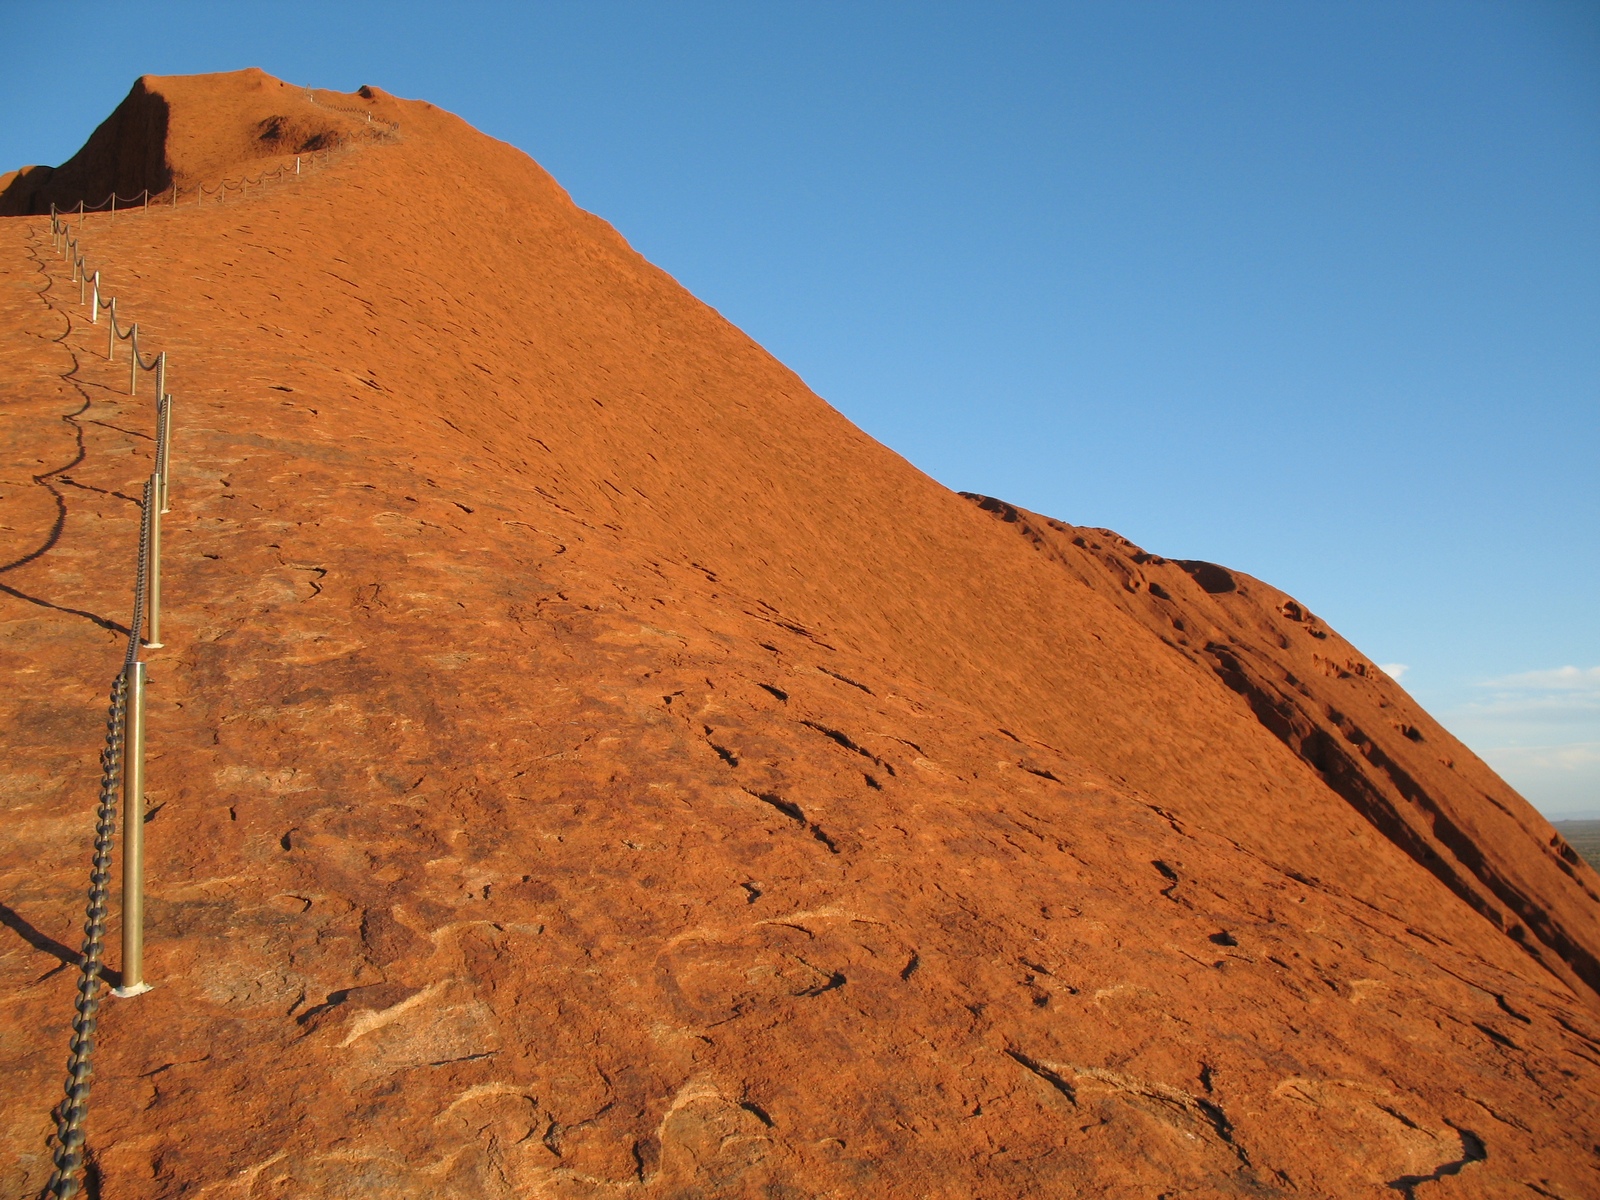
(297, 164)
(133, 360)
(113, 206)
(165, 448)
(133, 983)
(153, 567)
(111, 332)
(147, 199)
(161, 428)
(94, 315)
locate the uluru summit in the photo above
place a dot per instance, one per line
(581, 763)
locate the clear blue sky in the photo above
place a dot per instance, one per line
(1309, 289)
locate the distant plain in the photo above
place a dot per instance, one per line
(1584, 837)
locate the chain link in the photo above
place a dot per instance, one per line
(74, 1107)
(73, 1111)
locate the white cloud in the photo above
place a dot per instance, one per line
(1566, 679)
(1571, 756)
(1542, 708)
(1394, 671)
(1541, 731)
(1565, 695)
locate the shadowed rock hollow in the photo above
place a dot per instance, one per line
(583, 764)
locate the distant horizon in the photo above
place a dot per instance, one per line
(1308, 292)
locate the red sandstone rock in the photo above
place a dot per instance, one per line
(584, 764)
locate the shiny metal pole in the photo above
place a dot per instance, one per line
(161, 431)
(94, 316)
(153, 567)
(164, 432)
(111, 332)
(133, 983)
(133, 359)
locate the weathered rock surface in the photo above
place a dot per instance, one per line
(583, 764)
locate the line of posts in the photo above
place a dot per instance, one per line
(154, 504)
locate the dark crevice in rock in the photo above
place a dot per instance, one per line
(844, 739)
(846, 679)
(796, 814)
(834, 981)
(1045, 1073)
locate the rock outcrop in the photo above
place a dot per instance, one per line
(184, 131)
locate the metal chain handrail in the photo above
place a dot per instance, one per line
(224, 186)
(72, 247)
(311, 95)
(110, 202)
(74, 1107)
(119, 762)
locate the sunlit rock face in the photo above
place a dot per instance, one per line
(583, 764)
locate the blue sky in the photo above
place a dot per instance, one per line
(1312, 290)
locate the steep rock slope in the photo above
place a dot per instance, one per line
(1354, 726)
(585, 764)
